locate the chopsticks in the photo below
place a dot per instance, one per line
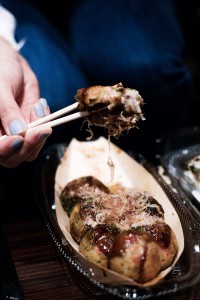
(50, 121)
(47, 120)
(53, 116)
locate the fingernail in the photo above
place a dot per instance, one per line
(16, 127)
(16, 144)
(43, 136)
(44, 102)
(39, 110)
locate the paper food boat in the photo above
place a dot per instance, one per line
(90, 158)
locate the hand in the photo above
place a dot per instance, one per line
(19, 105)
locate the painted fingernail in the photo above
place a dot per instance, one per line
(43, 136)
(16, 144)
(44, 102)
(39, 110)
(16, 127)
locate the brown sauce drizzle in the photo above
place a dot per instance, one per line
(161, 233)
(142, 262)
(103, 238)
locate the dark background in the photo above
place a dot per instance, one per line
(17, 186)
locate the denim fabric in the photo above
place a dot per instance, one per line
(136, 42)
(48, 54)
(139, 43)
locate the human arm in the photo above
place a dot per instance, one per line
(19, 94)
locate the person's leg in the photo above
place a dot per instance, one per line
(140, 44)
(47, 52)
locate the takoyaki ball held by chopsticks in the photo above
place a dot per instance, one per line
(113, 107)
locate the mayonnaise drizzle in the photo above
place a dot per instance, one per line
(110, 162)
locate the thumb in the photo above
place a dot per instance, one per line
(11, 117)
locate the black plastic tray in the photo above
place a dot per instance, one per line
(184, 274)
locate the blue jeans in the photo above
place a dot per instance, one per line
(48, 54)
(105, 42)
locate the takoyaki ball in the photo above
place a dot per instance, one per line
(97, 243)
(166, 239)
(81, 219)
(79, 189)
(77, 225)
(135, 254)
(113, 107)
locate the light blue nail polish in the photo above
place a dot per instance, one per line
(16, 144)
(39, 110)
(44, 102)
(43, 136)
(16, 127)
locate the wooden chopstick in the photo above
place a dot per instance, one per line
(49, 119)
(53, 116)
(62, 120)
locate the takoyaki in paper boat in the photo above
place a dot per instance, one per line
(90, 158)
